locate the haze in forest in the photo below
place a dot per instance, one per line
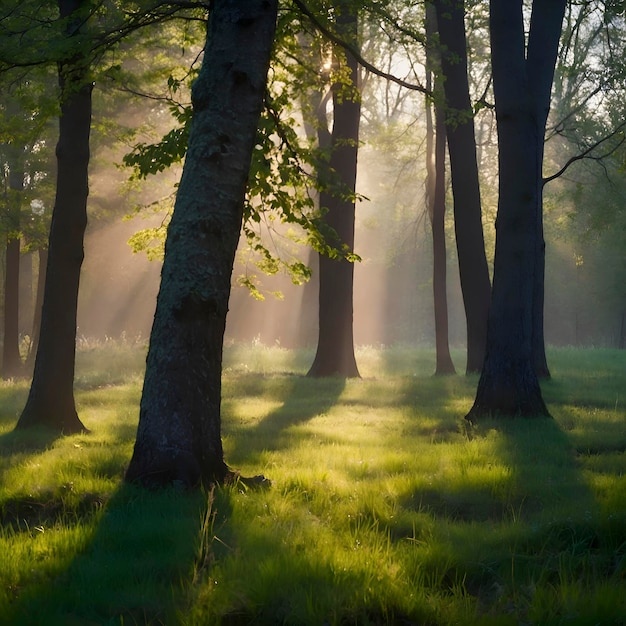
(393, 282)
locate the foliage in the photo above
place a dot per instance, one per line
(384, 508)
(280, 211)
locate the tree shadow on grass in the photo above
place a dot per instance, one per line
(438, 402)
(521, 516)
(513, 470)
(27, 441)
(303, 399)
(130, 562)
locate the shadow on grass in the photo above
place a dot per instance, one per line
(514, 470)
(304, 399)
(439, 404)
(26, 441)
(130, 563)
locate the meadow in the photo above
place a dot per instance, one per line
(385, 506)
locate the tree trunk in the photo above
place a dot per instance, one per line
(11, 359)
(436, 203)
(179, 434)
(545, 29)
(445, 365)
(473, 268)
(335, 346)
(41, 283)
(508, 384)
(50, 401)
(540, 362)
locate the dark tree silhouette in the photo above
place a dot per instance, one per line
(335, 346)
(522, 80)
(50, 401)
(12, 365)
(436, 196)
(470, 243)
(179, 434)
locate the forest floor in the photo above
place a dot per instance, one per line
(386, 507)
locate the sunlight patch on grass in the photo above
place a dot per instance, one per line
(385, 506)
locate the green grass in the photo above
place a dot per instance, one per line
(385, 507)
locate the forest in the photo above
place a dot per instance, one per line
(313, 311)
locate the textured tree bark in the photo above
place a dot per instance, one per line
(50, 401)
(335, 346)
(179, 435)
(473, 268)
(508, 384)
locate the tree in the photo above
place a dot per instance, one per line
(11, 359)
(436, 199)
(470, 243)
(179, 433)
(335, 347)
(25, 111)
(50, 401)
(522, 81)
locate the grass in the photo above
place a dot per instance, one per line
(385, 508)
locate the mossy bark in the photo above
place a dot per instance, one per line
(179, 435)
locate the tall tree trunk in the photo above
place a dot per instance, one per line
(179, 434)
(335, 346)
(473, 268)
(508, 384)
(11, 359)
(445, 365)
(436, 201)
(546, 22)
(50, 401)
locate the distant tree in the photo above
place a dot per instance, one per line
(335, 347)
(522, 81)
(50, 401)
(13, 194)
(25, 110)
(179, 434)
(436, 195)
(470, 243)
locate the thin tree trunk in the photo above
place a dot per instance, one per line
(41, 283)
(11, 359)
(335, 346)
(545, 28)
(50, 401)
(179, 434)
(445, 366)
(473, 268)
(436, 200)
